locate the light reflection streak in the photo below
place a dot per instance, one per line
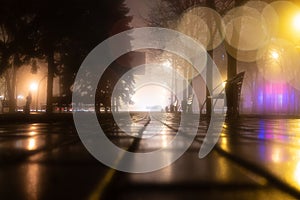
(33, 127)
(32, 133)
(223, 170)
(160, 140)
(297, 173)
(224, 143)
(31, 144)
(277, 130)
(167, 174)
(164, 138)
(32, 181)
(32, 130)
(276, 155)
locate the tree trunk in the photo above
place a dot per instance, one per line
(209, 71)
(11, 77)
(209, 84)
(232, 93)
(51, 67)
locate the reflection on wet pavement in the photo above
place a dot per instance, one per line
(25, 139)
(271, 145)
(48, 161)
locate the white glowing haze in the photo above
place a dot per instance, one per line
(153, 89)
(150, 96)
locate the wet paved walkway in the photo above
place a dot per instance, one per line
(255, 159)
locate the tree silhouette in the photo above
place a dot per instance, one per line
(16, 43)
(61, 32)
(109, 94)
(169, 12)
(65, 32)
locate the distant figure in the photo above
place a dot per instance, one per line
(167, 109)
(28, 102)
(184, 105)
(171, 108)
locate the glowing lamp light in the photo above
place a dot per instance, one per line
(33, 87)
(224, 84)
(31, 144)
(296, 22)
(167, 63)
(275, 55)
(20, 97)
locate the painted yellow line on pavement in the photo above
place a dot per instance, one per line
(98, 192)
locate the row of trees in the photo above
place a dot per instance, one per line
(168, 13)
(61, 33)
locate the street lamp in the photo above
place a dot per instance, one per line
(296, 22)
(33, 87)
(295, 28)
(275, 55)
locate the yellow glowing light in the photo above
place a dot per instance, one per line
(297, 173)
(33, 127)
(224, 84)
(32, 133)
(20, 97)
(224, 143)
(31, 144)
(275, 55)
(276, 156)
(33, 87)
(296, 22)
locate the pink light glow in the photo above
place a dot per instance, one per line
(277, 97)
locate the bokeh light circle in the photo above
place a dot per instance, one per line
(204, 25)
(280, 61)
(246, 33)
(89, 74)
(287, 11)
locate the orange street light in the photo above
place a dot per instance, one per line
(275, 55)
(33, 87)
(296, 22)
